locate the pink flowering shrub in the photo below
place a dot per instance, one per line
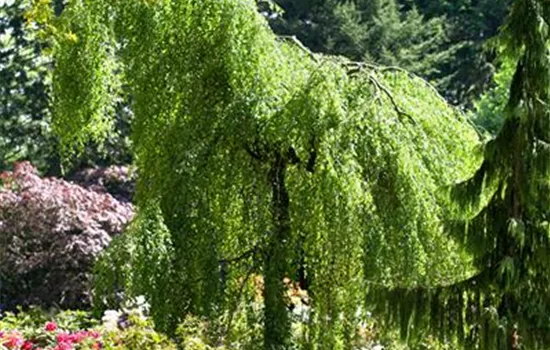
(51, 232)
(76, 330)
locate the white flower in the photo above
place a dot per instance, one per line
(110, 319)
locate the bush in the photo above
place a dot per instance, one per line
(76, 330)
(119, 181)
(51, 232)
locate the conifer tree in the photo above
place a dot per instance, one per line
(504, 209)
(23, 92)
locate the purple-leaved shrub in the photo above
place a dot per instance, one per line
(51, 232)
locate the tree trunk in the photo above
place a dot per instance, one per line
(277, 324)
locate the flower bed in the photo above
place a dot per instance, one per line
(76, 330)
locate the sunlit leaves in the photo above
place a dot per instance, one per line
(248, 145)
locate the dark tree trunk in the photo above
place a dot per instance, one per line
(277, 324)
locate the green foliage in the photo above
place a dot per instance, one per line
(23, 90)
(442, 41)
(256, 156)
(375, 31)
(33, 320)
(469, 25)
(502, 214)
(489, 112)
(37, 329)
(25, 123)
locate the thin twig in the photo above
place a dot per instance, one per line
(298, 43)
(243, 256)
(388, 93)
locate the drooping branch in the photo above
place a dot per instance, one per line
(389, 94)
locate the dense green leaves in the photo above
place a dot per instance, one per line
(255, 155)
(25, 124)
(23, 100)
(504, 212)
(442, 41)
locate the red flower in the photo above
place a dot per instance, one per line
(94, 334)
(27, 345)
(51, 326)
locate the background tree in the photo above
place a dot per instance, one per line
(489, 111)
(23, 91)
(375, 31)
(255, 155)
(442, 41)
(469, 25)
(25, 121)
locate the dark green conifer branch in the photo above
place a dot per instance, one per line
(504, 207)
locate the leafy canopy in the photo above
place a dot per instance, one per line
(256, 155)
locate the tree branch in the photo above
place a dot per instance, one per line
(298, 43)
(388, 93)
(247, 254)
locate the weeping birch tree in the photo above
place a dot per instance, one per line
(257, 156)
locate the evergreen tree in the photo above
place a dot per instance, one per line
(469, 25)
(375, 31)
(505, 208)
(255, 155)
(23, 90)
(440, 40)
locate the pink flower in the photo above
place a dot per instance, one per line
(79, 336)
(13, 340)
(64, 338)
(27, 345)
(63, 346)
(51, 326)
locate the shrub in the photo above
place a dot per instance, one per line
(76, 330)
(119, 181)
(51, 232)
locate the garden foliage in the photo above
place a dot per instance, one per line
(257, 156)
(51, 232)
(504, 211)
(127, 329)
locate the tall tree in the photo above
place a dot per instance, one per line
(505, 207)
(470, 24)
(442, 41)
(376, 31)
(254, 154)
(23, 91)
